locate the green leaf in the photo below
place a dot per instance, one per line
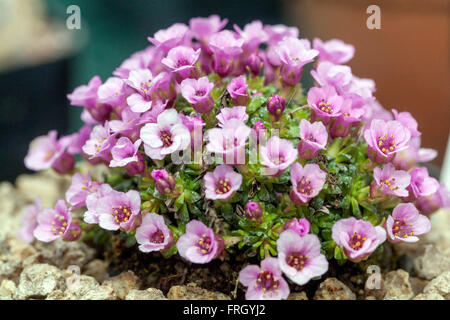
(255, 103)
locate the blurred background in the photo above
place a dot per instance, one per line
(41, 60)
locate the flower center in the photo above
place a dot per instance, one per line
(304, 186)
(182, 62)
(145, 86)
(204, 244)
(277, 159)
(387, 143)
(389, 183)
(267, 282)
(121, 214)
(326, 107)
(296, 260)
(59, 224)
(401, 228)
(200, 92)
(223, 186)
(166, 138)
(157, 237)
(357, 241)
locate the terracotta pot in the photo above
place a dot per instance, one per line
(408, 57)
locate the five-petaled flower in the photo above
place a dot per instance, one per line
(405, 224)
(222, 183)
(306, 181)
(153, 234)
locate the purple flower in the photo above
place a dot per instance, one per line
(195, 126)
(439, 199)
(226, 47)
(414, 154)
(385, 138)
(100, 143)
(422, 184)
(300, 226)
(181, 61)
(197, 93)
(165, 137)
(277, 32)
(313, 138)
(203, 28)
(53, 223)
(86, 95)
(299, 257)
(112, 92)
(325, 103)
(406, 119)
(153, 234)
(253, 210)
(91, 216)
(124, 152)
(128, 125)
(237, 89)
(259, 132)
(275, 106)
(199, 244)
(164, 181)
(149, 58)
(338, 76)
(141, 81)
(391, 181)
(166, 39)
(306, 181)
(222, 183)
(253, 35)
(80, 188)
(359, 238)
(405, 224)
(232, 113)
(265, 282)
(294, 54)
(349, 117)
(229, 141)
(43, 152)
(29, 221)
(254, 64)
(118, 210)
(336, 51)
(151, 116)
(76, 141)
(277, 155)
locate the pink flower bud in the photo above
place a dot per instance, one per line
(164, 181)
(254, 64)
(276, 106)
(253, 210)
(300, 226)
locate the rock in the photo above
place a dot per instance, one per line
(440, 285)
(149, 294)
(13, 254)
(417, 284)
(431, 263)
(86, 289)
(333, 289)
(98, 269)
(428, 296)
(298, 296)
(374, 288)
(123, 283)
(192, 292)
(10, 204)
(440, 235)
(7, 289)
(38, 281)
(398, 286)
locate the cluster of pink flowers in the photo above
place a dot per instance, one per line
(163, 101)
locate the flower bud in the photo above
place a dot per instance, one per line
(300, 226)
(259, 132)
(164, 181)
(276, 106)
(253, 210)
(254, 64)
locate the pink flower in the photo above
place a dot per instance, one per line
(203, 28)
(91, 216)
(53, 223)
(149, 58)
(277, 32)
(391, 181)
(385, 138)
(300, 226)
(299, 257)
(151, 116)
(164, 181)
(80, 188)
(226, 47)
(166, 39)
(253, 210)
(408, 121)
(76, 141)
(350, 116)
(195, 126)
(253, 35)
(29, 221)
(313, 138)
(265, 282)
(232, 113)
(414, 154)
(237, 89)
(277, 155)
(405, 224)
(276, 105)
(197, 92)
(421, 183)
(306, 181)
(165, 137)
(334, 50)
(43, 152)
(181, 61)
(141, 81)
(294, 54)
(118, 210)
(325, 103)
(359, 238)
(153, 234)
(124, 152)
(229, 141)
(259, 132)
(128, 125)
(113, 92)
(439, 199)
(338, 76)
(222, 183)
(86, 95)
(254, 64)
(100, 142)
(199, 244)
